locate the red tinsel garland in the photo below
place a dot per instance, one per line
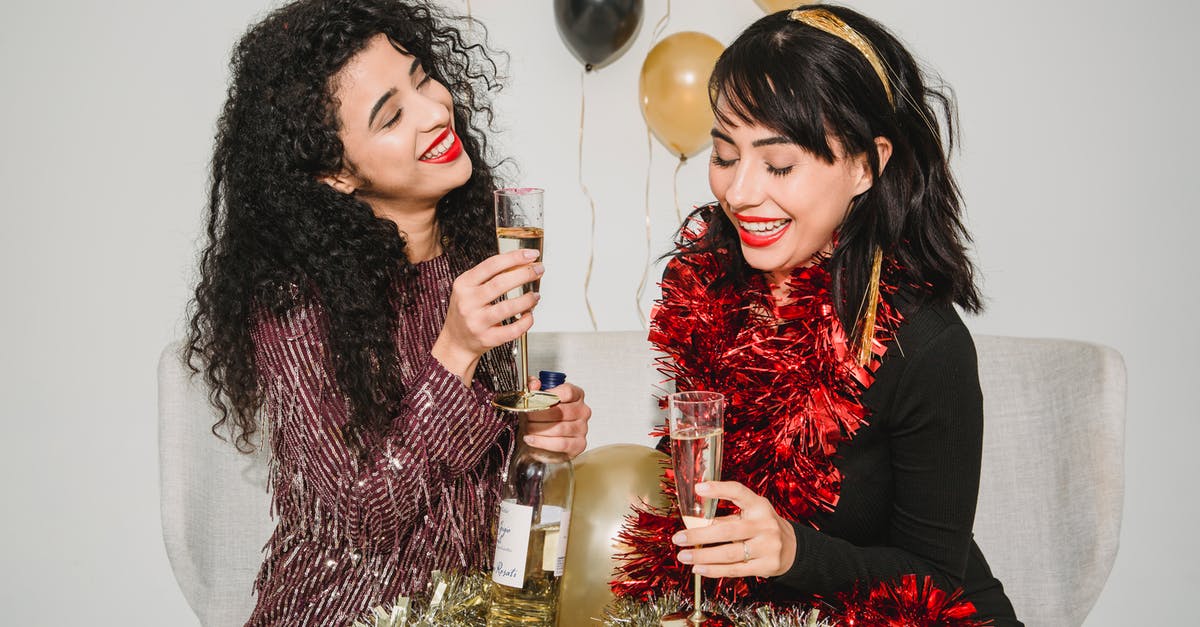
(793, 394)
(908, 604)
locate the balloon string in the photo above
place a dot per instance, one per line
(471, 22)
(641, 290)
(587, 279)
(675, 187)
(661, 25)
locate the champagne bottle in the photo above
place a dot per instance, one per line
(531, 533)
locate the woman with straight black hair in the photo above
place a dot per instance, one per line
(350, 299)
(817, 293)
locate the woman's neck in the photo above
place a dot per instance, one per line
(422, 237)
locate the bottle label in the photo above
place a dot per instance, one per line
(512, 544)
(561, 559)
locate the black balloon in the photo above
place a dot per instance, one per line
(596, 30)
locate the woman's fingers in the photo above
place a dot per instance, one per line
(754, 542)
(728, 529)
(569, 397)
(495, 276)
(571, 446)
(563, 427)
(498, 334)
(490, 267)
(509, 280)
(507, 309)
(732, 491)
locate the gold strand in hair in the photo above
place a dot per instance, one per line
(867, 339)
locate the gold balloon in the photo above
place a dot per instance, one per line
(609, 481)
(771, 6)
(673, 90)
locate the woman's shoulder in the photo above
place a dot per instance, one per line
(930, 339)
(930, 362)
(928, 325)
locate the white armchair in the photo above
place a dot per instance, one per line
(1049, 504)
(215, 507)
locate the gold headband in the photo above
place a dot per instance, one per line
(823, 19)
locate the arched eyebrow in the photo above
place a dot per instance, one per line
(770, 141)
(412, 69)
(766, 141)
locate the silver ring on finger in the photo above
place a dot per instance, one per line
(745, 552)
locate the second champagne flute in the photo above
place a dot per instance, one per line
(519, 225)
(697, 441)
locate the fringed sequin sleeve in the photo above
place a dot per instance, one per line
(443, 431)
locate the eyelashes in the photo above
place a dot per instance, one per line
(772, 170)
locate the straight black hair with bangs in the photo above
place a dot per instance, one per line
(809, 86)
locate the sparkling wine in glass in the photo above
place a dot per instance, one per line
(519, 225)
(697, 435)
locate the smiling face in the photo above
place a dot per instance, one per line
(397, 128)
(784, 201)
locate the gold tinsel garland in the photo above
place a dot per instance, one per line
(461, 600)
(452, 600)
(631, 612)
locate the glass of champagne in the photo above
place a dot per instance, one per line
(519, 225)
(697, 436)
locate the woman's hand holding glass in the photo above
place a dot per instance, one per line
(562, 428)
(755, 542)
(475, 318)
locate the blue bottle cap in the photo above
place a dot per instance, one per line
(551, 379)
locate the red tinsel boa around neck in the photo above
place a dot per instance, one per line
(793, 394)
(792, 385)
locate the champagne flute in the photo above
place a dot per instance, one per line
(697, 435)
(519, 225)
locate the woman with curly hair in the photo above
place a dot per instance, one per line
(348, 295)
(817, 293)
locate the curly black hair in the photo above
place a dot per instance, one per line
(807, 85)
(277, 237)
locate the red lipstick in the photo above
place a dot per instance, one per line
(451, 153)
(760, 240)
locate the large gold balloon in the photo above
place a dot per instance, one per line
(771, 6)
(609, 481)
(673, 90)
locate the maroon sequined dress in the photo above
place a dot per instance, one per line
(353, 533)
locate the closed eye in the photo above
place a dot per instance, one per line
(395, 118)
(774, 171)
(721, 163)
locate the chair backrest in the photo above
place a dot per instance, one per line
(616, 371)
(1049, 503)
(215, 506)
(1052, 483)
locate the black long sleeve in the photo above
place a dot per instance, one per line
(911, 478)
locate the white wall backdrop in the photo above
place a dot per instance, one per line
(1077, 164)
